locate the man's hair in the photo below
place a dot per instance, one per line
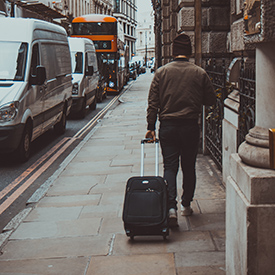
(182, 45)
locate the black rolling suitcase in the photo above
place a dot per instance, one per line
(145, 210)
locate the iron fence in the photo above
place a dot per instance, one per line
(214, 114)
(247, 100)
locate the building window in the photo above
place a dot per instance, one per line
(117, 6)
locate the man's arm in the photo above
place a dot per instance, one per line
(153, 103)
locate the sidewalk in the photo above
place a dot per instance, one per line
(76, 228)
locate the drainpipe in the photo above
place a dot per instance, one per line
(198, 29)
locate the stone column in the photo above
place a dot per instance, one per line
(250, 188)
(255, 151)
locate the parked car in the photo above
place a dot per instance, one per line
(140, 64)
(132, 70)
(35, 82)
(85, 75)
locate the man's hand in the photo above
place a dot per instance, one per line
(151, 134)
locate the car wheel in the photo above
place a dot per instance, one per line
(60, 127)
(24, 149)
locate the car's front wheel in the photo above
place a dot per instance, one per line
(24, 149)
(60, 127)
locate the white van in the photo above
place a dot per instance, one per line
(35, 82)
(85, 74)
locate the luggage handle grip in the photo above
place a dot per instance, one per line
(149, 140)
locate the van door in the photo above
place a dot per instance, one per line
(34, 98)
(56, 59)
(90, 83)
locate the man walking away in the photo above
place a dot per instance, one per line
(177, 93)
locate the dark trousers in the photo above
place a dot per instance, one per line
(179, 141)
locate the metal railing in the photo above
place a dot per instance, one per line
(247, 100)
(214, 114)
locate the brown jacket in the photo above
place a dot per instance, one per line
(178, 91)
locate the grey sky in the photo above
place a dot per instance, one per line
(143, 5)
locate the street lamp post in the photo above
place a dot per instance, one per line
(146, 49)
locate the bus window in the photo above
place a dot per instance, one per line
(95, 28)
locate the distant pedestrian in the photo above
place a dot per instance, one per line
(177, 93)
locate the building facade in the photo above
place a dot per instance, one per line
(145, 44)
(60, 11)
(126, 13)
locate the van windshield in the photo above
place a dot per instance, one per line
(13, 60)
(77, 62)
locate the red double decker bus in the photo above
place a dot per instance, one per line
(108, 38)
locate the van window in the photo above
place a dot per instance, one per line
(77, 62)
(48, 59)
(34, 60)
(91, 60)
(13, 60)
(63, 59)
(55, 59)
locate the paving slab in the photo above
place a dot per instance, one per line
(176, 242)
(51, 229)
(57, 247)
(207, 222)
(95, 168)
(68, 266)
(161, 264)
(40, 214)
(201, 270)
(110, 187)
(70, 201)
(102, 211)
(211, 206)
(219, 239)
(200, 259)
(112, 199)
(112, 226)
(75, 185)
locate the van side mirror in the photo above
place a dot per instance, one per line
(40, 76)
(90, 71)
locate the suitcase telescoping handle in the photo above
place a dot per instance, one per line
(149, 140)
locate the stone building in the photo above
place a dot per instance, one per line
(234, 41)
(145, 44)
(126, 13)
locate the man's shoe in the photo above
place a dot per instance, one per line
(186, 211)
(173, 218)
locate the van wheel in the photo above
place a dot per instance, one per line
(24, 149)
(99, 96)
(60, 127)
(82, 112)
(93, 105)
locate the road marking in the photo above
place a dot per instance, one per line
(91, 123)
(18, 180)
(32, 179)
